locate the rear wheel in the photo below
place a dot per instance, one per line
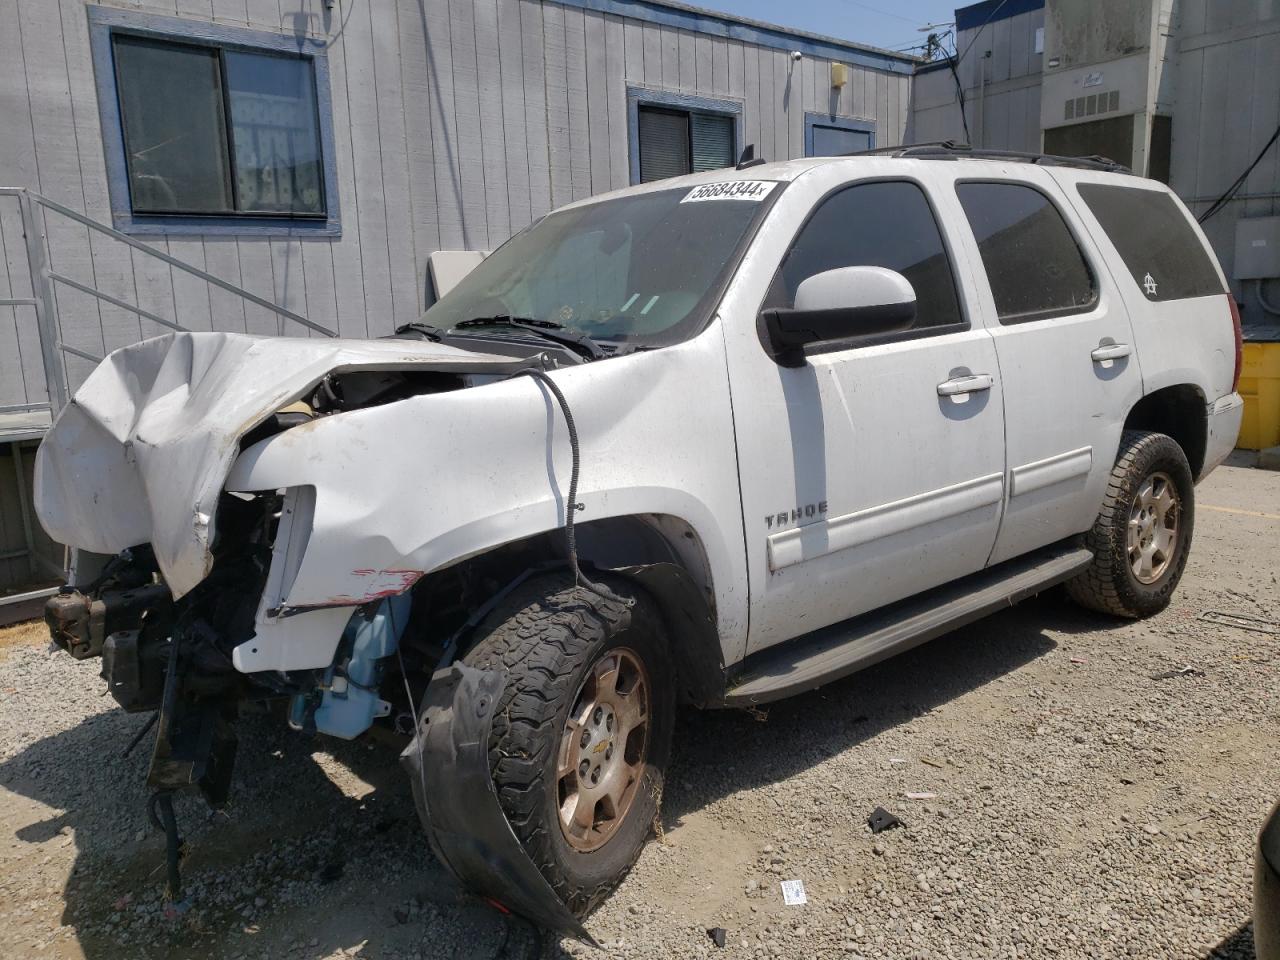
(1142, 536)
(582, 732)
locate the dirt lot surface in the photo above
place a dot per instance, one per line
(1067, 804)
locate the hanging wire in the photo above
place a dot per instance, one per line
(955, 61)
(1217, 205)
(571, 503)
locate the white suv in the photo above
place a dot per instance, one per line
(716, 440)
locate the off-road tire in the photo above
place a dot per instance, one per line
(547, 635)
(1109, 584)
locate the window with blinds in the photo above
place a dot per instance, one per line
(675, 142)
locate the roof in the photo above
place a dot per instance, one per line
(699, 20)
(781, 170)
(930, 66)
(989, 11)
(901, 158)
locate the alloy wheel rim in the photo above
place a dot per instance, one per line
(603, 750)
(1155, 517)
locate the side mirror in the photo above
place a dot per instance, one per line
(838, 305)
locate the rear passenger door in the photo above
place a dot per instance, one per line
(1167, 273)
(1066, 355)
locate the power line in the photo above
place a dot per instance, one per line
(883, 13)
(991, 16)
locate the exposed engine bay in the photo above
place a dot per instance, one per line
(173, 658)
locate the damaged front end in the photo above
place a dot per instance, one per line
(185, 583)
(173, 658)
(176, 657)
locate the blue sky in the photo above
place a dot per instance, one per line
(881, 23)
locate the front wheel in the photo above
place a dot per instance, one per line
(1142, 536)
(582, 732)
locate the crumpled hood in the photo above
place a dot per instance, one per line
(141, 452)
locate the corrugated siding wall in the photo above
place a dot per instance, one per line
(1007, 115)
(457, 122)
(1227, 105)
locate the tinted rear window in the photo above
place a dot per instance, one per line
(1155, 240)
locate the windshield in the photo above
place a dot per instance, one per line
(643, 269)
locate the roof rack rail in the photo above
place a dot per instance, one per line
(952, 150)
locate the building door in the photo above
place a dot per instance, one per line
(1067, 360)
(835, 137)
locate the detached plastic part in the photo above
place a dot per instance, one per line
(448, 767)
(881, 819)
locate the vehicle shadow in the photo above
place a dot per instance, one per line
(788, 737)
(1236, 946)
(321, 849)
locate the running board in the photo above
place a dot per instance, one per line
(844, 648)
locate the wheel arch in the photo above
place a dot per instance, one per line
(1180, 412)
(661, 553)
(664, 555)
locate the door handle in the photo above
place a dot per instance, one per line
(975, 383)
(1110, 351)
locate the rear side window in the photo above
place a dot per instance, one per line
(1155, 240)
(1033, 263)
(880, 224)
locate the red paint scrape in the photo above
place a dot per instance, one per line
(380, 584)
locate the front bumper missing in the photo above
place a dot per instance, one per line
(448, 766)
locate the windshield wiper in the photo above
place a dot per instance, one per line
(546, 329)
(434, 334)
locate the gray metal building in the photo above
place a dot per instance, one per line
(1186, 91)
(290, 166)
(1000, 79)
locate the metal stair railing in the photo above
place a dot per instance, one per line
(44, 280)
(36, 407)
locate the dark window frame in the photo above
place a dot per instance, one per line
(638, 97)
(106, 23)
(228, 131)
(874, 340)
(1085, 254)
(643, 108)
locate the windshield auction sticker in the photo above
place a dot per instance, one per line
(731, 190)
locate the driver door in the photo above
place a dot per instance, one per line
(875, 470)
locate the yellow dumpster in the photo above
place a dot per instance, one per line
(1260, 387)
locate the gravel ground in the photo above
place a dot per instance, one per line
(1073, 806)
